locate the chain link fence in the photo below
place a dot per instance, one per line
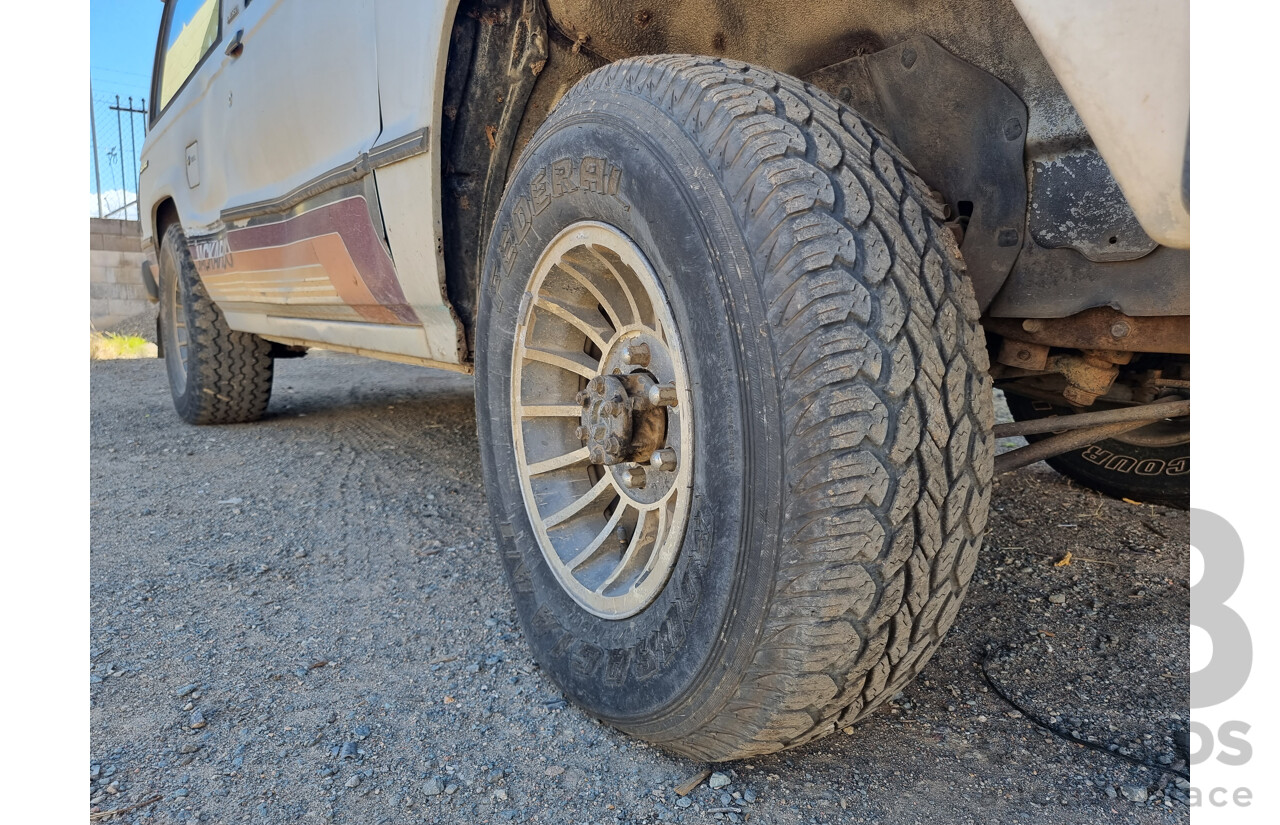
(117, 127)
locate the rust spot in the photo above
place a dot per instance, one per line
(491, 135)
(464, 202)
(643, 17)
(717, 42)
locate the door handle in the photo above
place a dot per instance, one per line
(236, 46)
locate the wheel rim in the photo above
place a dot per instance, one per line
(176, 339)
(601, 415)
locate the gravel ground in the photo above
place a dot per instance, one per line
(302, 621)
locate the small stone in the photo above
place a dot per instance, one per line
(684, 802)
(186, 689)
(1058, 598)
(354, 781)
(1134, 793)
(361, 732)
(748, 795)
(113, 788)
(349, 750)
(433, 787)
(189, 706)
(554, 770)
(94, 770)
(450, 789)
(181, 792)
(718, 780)
(197, 720)
(190, 747)
(500, 794)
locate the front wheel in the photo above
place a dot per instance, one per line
(735, 417)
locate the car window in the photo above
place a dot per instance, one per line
(192, 30)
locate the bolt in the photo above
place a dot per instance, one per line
(581, 433)
(636, 355)
(1012, 129)
(908, 57)
(1024, 355)
(584, 398)
(597, 385)
(1119, 329)
(612, 408)
(1033, 325)
(664, 459)
(634, 477)
(613, 446)
(663, 395)
(597, 455)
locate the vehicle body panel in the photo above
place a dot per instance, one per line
(337, 109)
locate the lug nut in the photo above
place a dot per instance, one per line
(663, 395)
(583, 398)
(597, 385)
(664, 459)
(634, 477)
(597, 455)
(613, 446)
(636, 355)
(581, 432)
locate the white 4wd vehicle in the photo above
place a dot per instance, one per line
(735, 280)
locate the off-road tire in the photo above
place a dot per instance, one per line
(1114, 467)
(843, 411)
(225, 375)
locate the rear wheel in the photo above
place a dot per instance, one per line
(1150, 464)
(216, 375)
(736, 420)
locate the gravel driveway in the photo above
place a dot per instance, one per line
(302, 620)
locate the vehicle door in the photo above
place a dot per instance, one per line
(302, 242)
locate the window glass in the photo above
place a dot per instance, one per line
(193, 29)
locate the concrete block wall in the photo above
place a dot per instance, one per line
(115, 272)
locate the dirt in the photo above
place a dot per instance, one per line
(321, 588)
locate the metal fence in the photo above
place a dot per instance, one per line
(117, 127)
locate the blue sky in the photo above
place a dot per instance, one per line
(122, 41)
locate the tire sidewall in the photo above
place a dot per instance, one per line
(172, 262)
(637, 673)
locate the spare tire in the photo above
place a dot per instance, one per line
(735, 418)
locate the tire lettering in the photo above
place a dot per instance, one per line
(1149, 467)
(1095, 454)
(1121, 464)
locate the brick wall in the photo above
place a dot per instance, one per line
(115, 272)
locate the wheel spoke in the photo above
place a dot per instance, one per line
(626, 288)
(568, 459)
(597, 335)
(596, 543)
(574, 363)
(609, 310)
(633, 546)
(579, 503)
(550, 411)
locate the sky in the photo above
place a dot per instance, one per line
(122, 41)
